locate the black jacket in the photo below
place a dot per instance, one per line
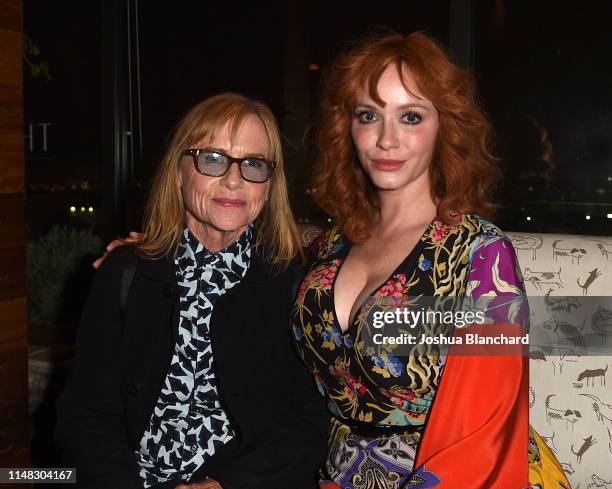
(279, 419)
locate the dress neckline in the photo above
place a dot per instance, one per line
(408, 262)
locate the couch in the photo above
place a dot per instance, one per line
(568, 279)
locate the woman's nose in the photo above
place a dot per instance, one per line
(388, 137)
(233, 179)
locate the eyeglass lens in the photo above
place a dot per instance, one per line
(216, 164)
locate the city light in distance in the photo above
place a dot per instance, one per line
(83, 209)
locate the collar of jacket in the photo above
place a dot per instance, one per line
(163, 269)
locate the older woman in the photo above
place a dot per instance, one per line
(191, 377)
(404, 169)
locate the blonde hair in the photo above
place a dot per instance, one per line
(164, 220)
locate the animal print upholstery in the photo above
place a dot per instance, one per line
(570, 403)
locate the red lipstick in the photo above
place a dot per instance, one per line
(387, 164)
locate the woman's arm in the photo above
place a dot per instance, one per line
(477, 432)
(91, 426)
(293, 447)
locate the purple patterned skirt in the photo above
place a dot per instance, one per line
(370, 459)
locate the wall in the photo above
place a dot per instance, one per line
(14, 450)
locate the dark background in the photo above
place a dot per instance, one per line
(548, 89)
(132, 67)
(124, 72)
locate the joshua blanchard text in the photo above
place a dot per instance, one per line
(467, 339)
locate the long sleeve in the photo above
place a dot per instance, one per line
(288, 455)
(91, 425)
(477, 432)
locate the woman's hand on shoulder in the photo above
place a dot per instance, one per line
(314, 237)
(133, 237)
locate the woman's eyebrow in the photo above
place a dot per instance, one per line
(253, 155)
(366, 106)
(247, 155)
(214, 148)
(411, 105)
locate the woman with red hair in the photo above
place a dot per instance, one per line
(405, 170)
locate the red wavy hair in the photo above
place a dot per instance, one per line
(463, 171)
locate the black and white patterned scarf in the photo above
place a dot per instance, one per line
(189, 423)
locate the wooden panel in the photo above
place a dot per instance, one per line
(13, 371)
(10, 58)
(13, 272)
(14, 416)
(13, 323)
(18, 457)
(12, 215)
(10, 15)
(14, 411)
(13, 432)
(11, 168)
(11, 111)
(11, 140)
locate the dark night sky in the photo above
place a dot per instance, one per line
(550, 66)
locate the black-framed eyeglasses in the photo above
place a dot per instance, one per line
(215, 163)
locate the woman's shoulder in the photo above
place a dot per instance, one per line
(129, 253)
(470, 234)
(481, 229)
(118, 257)
(488, 240)
(463, 234)
(128, 256)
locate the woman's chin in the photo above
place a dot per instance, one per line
(398, 182)
(388, 185)
(230, 226)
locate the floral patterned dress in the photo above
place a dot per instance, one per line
(371, 385)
